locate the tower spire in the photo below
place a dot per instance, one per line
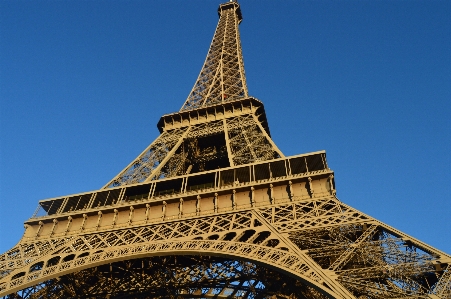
(222, 76)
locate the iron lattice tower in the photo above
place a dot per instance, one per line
(213, 209)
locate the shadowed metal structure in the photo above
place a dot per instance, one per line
(213, 209)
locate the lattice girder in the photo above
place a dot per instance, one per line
(229, 134)
(213, 209)
(222, 76)
(149, 160)
(182, 276)
(60, 225)
(221, 81)
(95, 249)
(303, 234)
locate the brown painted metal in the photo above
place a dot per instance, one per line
(213, 209)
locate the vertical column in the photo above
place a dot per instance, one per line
(290, 188)
(198, 205)
(271, 193)
(181, 208)
(216, 202)
(69, 221)
(163, 210)
(130, 215)
(82, 226)
(310, 185)
(234, 199)
(115, 217)
(99, 219)
(147, 212)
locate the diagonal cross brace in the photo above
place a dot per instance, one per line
(345, 256)
(316, 269)
(169, 155)
(443, 287)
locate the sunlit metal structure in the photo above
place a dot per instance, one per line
(213, 209)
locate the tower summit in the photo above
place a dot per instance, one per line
(213, 209)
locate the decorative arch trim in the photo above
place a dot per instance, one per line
(279, 260)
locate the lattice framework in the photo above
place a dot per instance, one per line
(254, 230)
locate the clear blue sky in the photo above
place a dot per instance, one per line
(83, 84)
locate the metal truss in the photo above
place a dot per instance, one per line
(249, 141)
(213, 209)
(221, 80)
(242, 140)
(336, 250)
(182, 276)
(149, 160)
(222, 76)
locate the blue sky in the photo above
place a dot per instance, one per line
(83, 84)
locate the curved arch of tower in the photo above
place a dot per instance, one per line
(213, 209)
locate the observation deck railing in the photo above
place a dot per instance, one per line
(185, 185)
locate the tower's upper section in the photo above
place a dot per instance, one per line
(222, 77)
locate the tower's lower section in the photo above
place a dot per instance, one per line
(272, 229)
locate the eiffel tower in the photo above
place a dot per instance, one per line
(213, 209)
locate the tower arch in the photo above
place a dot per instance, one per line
(280, 261)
